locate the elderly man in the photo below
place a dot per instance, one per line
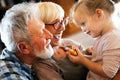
(26, 40)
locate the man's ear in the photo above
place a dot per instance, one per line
(23, 47)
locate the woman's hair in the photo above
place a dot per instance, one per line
(14, 25)
(50, 12)
(92, 5)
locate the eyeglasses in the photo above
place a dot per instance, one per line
(58, 25)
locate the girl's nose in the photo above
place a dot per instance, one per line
(83, 29)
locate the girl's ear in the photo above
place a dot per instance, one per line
(99, 13)
(23, 47)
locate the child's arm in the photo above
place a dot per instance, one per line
(93, 66)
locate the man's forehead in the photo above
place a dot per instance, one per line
(35, 25)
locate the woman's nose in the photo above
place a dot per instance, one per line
(62, 27)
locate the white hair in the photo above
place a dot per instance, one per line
(13, 26)
(46, 53)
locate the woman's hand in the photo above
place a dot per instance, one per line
(60, 53)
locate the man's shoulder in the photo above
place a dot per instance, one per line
(7, 66)
(4, 53)
(11, 70)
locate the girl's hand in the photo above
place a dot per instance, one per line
(89, 51)
(76, 58)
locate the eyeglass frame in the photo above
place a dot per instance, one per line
(57, 25)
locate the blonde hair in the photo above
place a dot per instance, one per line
(50, 12)
(92, 5)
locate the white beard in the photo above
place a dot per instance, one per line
(47, 53)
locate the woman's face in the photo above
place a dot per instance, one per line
(56, 29)
(90, 24)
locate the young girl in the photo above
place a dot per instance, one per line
(95, 19)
